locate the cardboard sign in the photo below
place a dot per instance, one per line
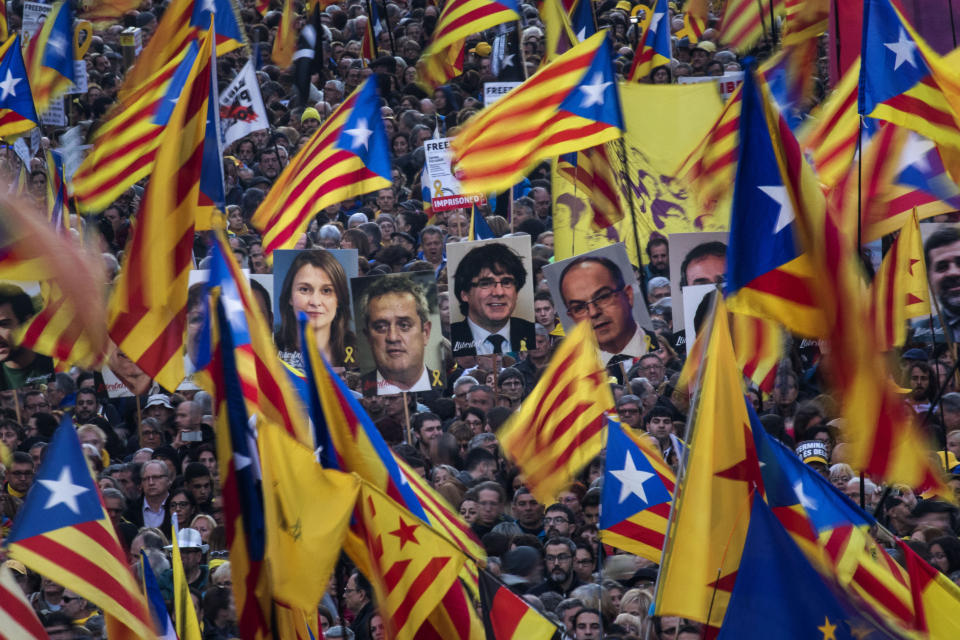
(445, 193)
(493, 91)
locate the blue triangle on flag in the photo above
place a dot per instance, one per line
(595, 97)
(630, 483)
(63, 493)
(363, 133)
(762, 213)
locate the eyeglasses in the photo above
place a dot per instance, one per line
(485, 284)
(603, 299)
(563, 557)
(557, 520)
(68, 599)
(349, 590)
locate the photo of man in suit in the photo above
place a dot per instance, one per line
(486, 284)
(395, 317)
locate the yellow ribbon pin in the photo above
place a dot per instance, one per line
(348, 357)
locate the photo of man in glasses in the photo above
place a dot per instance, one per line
(594, 288)
(487, 283)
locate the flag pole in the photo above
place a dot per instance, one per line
(682, 455)
(376, 47)
(406, 419)
(863, 494)
(633, 209)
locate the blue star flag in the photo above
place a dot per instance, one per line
(363, 133)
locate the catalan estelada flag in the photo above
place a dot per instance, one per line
(147, 309)
(900, 290)
(637, 494)
(347, 157)
(17, 111)
(902, 80)
(778, 590)
(655, 49)
(411, 566)
(884, 441)
(712, 502)
(62, 531)
(443, 57)
(347, 440)
(125, 145)
(559, 427)
(568, 105)
(49, 57)
(158, 608)
(185, 615)
(507, 616)
(767, 273)
(183, 21)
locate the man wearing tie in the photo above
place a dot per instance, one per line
(486, 284)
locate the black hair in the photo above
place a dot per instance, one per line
(476, 456)
(657, 411)
(497, 257)
(18, 299)
(940, 238)
(715, 248)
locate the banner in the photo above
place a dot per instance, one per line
(241, 106)
(675, 118)
(445, 193)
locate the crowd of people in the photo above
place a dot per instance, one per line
(154, 454)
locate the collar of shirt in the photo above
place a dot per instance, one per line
(480, 334)
(635, 348)
(385, 388)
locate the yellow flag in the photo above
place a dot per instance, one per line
(675, 118)
(712, 503)
(900, 291)
(304, 541)
(285, 42)
(185, 616)
(559, 428)
(410, 566)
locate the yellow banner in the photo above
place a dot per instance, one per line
(664, 123)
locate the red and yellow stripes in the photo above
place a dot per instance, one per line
(711, 167)
(645, 533)
(87, 558)
(125, 145)
(318, 176)
(147, 310)
(496, 147)
(594, 178)
(746, 22)
(559, 427)
(443, 57)
(758, 344)
(17, 617)
(831, 137)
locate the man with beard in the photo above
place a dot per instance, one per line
(942, 253)
(658, 252)
(20, 367)
(559, 521)
(558, 554)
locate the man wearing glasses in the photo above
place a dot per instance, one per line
(486, 284)
(558, 556)
(594, 290)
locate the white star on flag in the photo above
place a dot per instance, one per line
(594, 91)
(779, 195)
(631, 480)
(507, 60)
(914, 153)
(63, 491)
(58, 44)
(9, 86)
(654, 21)
(805, 501)
(233, 307)
(904, 47)
(360, 134)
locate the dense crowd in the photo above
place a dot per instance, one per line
(155, 456)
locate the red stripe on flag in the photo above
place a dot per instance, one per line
(421, 583)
